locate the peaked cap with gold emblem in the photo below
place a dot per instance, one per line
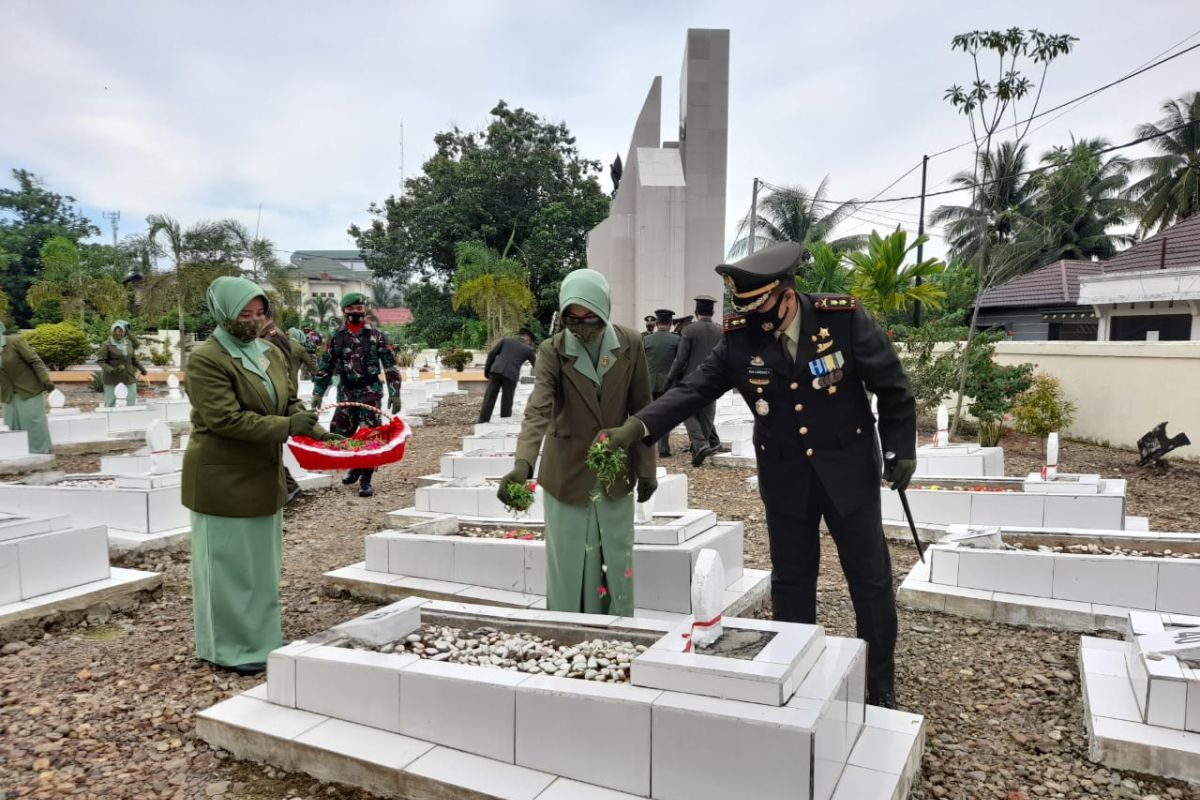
(752, 279)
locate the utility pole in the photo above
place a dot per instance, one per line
(753, 215)
(113, 217)
(920, 233)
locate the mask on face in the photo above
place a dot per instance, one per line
(356, 318)
(586, 331)
(244, 330)
(772, 320)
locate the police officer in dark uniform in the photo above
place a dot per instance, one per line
(698, 340)
(649, 321)
(356, 354)
(661, 348)
(801, 362)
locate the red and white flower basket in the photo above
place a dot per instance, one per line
(367, 448)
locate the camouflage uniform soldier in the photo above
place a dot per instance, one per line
(356, 353)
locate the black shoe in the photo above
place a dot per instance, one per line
(365, 490)
(699, 457)
(293, 494)
(665, 455)
(250, 669)
(882, 699)
(352, 477)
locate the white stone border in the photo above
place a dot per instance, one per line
(120, 584)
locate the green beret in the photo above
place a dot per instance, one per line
(353, 299)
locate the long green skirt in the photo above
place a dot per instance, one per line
(30, 416)
(235, 587)
(110, 395)
(589, 555)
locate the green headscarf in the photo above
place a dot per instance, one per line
(296, 335)
(588, 288)
(226, 297)
(123, 343)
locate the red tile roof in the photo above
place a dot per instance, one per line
(393, 316)
(1055, 284)
(1183, 249)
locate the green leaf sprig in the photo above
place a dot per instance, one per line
(605, 462)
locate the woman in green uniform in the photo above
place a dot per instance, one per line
(300, 353)
(587, 377)
(24, 381)
(244, 408)
(119, 364)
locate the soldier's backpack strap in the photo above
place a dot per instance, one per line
(835, 302)
(735, 322)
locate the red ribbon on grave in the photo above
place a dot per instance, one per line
(687, 647)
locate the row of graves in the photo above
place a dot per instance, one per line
(464, 685)
(61, 533)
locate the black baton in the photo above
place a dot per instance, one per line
(889, 459)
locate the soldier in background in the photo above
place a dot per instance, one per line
(698, 340)
(648, 321)
(503, 370)
(661, 347)
(357, 353)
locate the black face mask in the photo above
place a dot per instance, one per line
(355, 319)
(586, 331)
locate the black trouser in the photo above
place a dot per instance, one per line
(497, 385)
(702, 431)
(796, 561)
(664, 444)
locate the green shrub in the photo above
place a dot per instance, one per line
(454, 357)
(96, 384)
(993, 388)
(59, 344)
(1043, 408)
(405, 356)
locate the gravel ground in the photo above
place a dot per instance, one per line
(105, 710)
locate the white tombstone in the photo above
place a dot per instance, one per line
(158, 438)
(57, 399)
(943, 427)
(412, 372)
(121, 392)
(437, 370)
(173, 387)
(708, 593)
(1050, 470)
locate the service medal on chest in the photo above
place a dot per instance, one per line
(762, 407)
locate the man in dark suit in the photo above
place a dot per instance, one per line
(648, 321)
(800, 362)
(661, 347)
(698, 340)
(502, 370)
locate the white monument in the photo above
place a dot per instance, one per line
(666, 229)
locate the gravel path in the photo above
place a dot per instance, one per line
(106, 710)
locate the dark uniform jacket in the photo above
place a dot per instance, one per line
(506, 358)
(811, 416)
(568, 413)
(698, 340)
(661, 347)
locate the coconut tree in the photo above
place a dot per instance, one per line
(885, 284)
(793, 214)
(1003, 200)
(321, 310)
(1171, 190)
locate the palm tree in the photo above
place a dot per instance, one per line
(1002, 201)
(385, 294)
(792, 214)
(164, 229)
(1171, 192)
(320, 309)
(494, 287)
(827, 274)
(884, 284)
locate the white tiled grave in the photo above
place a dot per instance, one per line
(428, 555)
(48, 562)
(128, 419)
(419, 728)
(964, 460)
(15, 455)
(1142, 697)
(71, 426)
(142, 512)
(1074, 591)
(938, 501)
(173, 411)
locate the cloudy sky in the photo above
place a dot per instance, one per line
(206, 110)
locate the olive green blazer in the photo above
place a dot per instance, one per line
(565, 412)
(117, 367)
(22, 371)
(233, 466)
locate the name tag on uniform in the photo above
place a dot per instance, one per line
(759, 376)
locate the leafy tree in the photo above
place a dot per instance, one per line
(826, 273)
(520, 186)
(932, 357)
(31, 215)
(435, 321)
(793, 214)
(73, 287)
(993, 387)
(1171, 192)
(959, 283)
(884, 284)
(987, 106)
(491, 286)
(385, 294)
(4, 307)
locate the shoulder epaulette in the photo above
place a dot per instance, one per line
(835, 302)
(734, 323)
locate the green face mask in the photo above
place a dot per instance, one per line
(244, 330)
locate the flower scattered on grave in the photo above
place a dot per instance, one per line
(602, 590)
(629, 572)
